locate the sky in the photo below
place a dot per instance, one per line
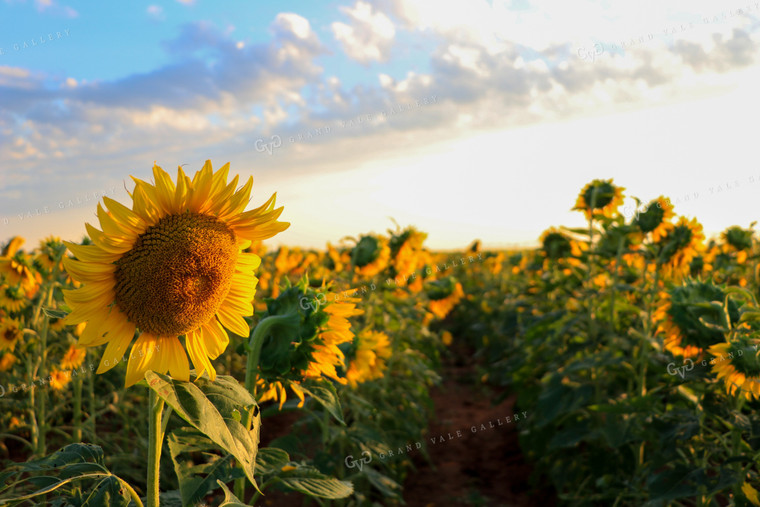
(467, 119)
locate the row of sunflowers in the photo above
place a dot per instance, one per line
(174, 331)
(634, 342)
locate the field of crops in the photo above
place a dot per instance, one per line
(616, 364)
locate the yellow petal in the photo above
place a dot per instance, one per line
(233, 321)
(119, 337)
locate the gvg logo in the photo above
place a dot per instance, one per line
(261, 146)
(351, 462)
(681, 370)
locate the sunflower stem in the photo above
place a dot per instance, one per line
(260, 332)
(41, 417)
(155, 441)
(77, 409)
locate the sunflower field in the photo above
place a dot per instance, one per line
(173, 357)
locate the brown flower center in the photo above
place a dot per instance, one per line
(177, 274)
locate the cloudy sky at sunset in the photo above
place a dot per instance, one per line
(469, 119)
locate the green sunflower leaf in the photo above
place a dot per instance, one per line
(325, 394)
(230, 500)
(210, 408)
(54, 313)
(310, 481)
(197, 480)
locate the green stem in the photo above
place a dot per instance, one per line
(155, 441)
(78, 409)
(41, 409)
(91, 399)
(260, 332)
(32, 403)
(257, 341)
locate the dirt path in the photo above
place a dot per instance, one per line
(483, 466)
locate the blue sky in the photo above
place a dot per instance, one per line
(479, 119)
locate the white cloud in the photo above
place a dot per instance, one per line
(156, 12)
(368, 37)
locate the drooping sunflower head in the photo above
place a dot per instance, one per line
(555, 244)
(406, 252)
(372, 350)
(308, 345)
(656, 219)
(173, 265)
(50, 254)
(617, 239)
(681, 313)
(444, 294)
(682, 243)
(738, 238)
(600, 197)
(738, 365)
(371, 254)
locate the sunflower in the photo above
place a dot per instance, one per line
(444, 295)
(739, 241)
(10, 333)
(600, 197)
(333, 259)
(373, 349)
(59, 379)
(406, 250)
(310, 350)
(50, 253)
(73, 358)
(293, 262)
(682, 243)
(14, 264)
(171, 266)
(370, 255)
(656, 219)
(7, 361)
(682, 312)
(738, 365)
(555, 244)
(12, 298)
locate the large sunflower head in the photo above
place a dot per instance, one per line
(738, 364)
(309, 346)
(656, 219)
(683, 312)
(600, 197)
(370, 255)
(171, 266)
